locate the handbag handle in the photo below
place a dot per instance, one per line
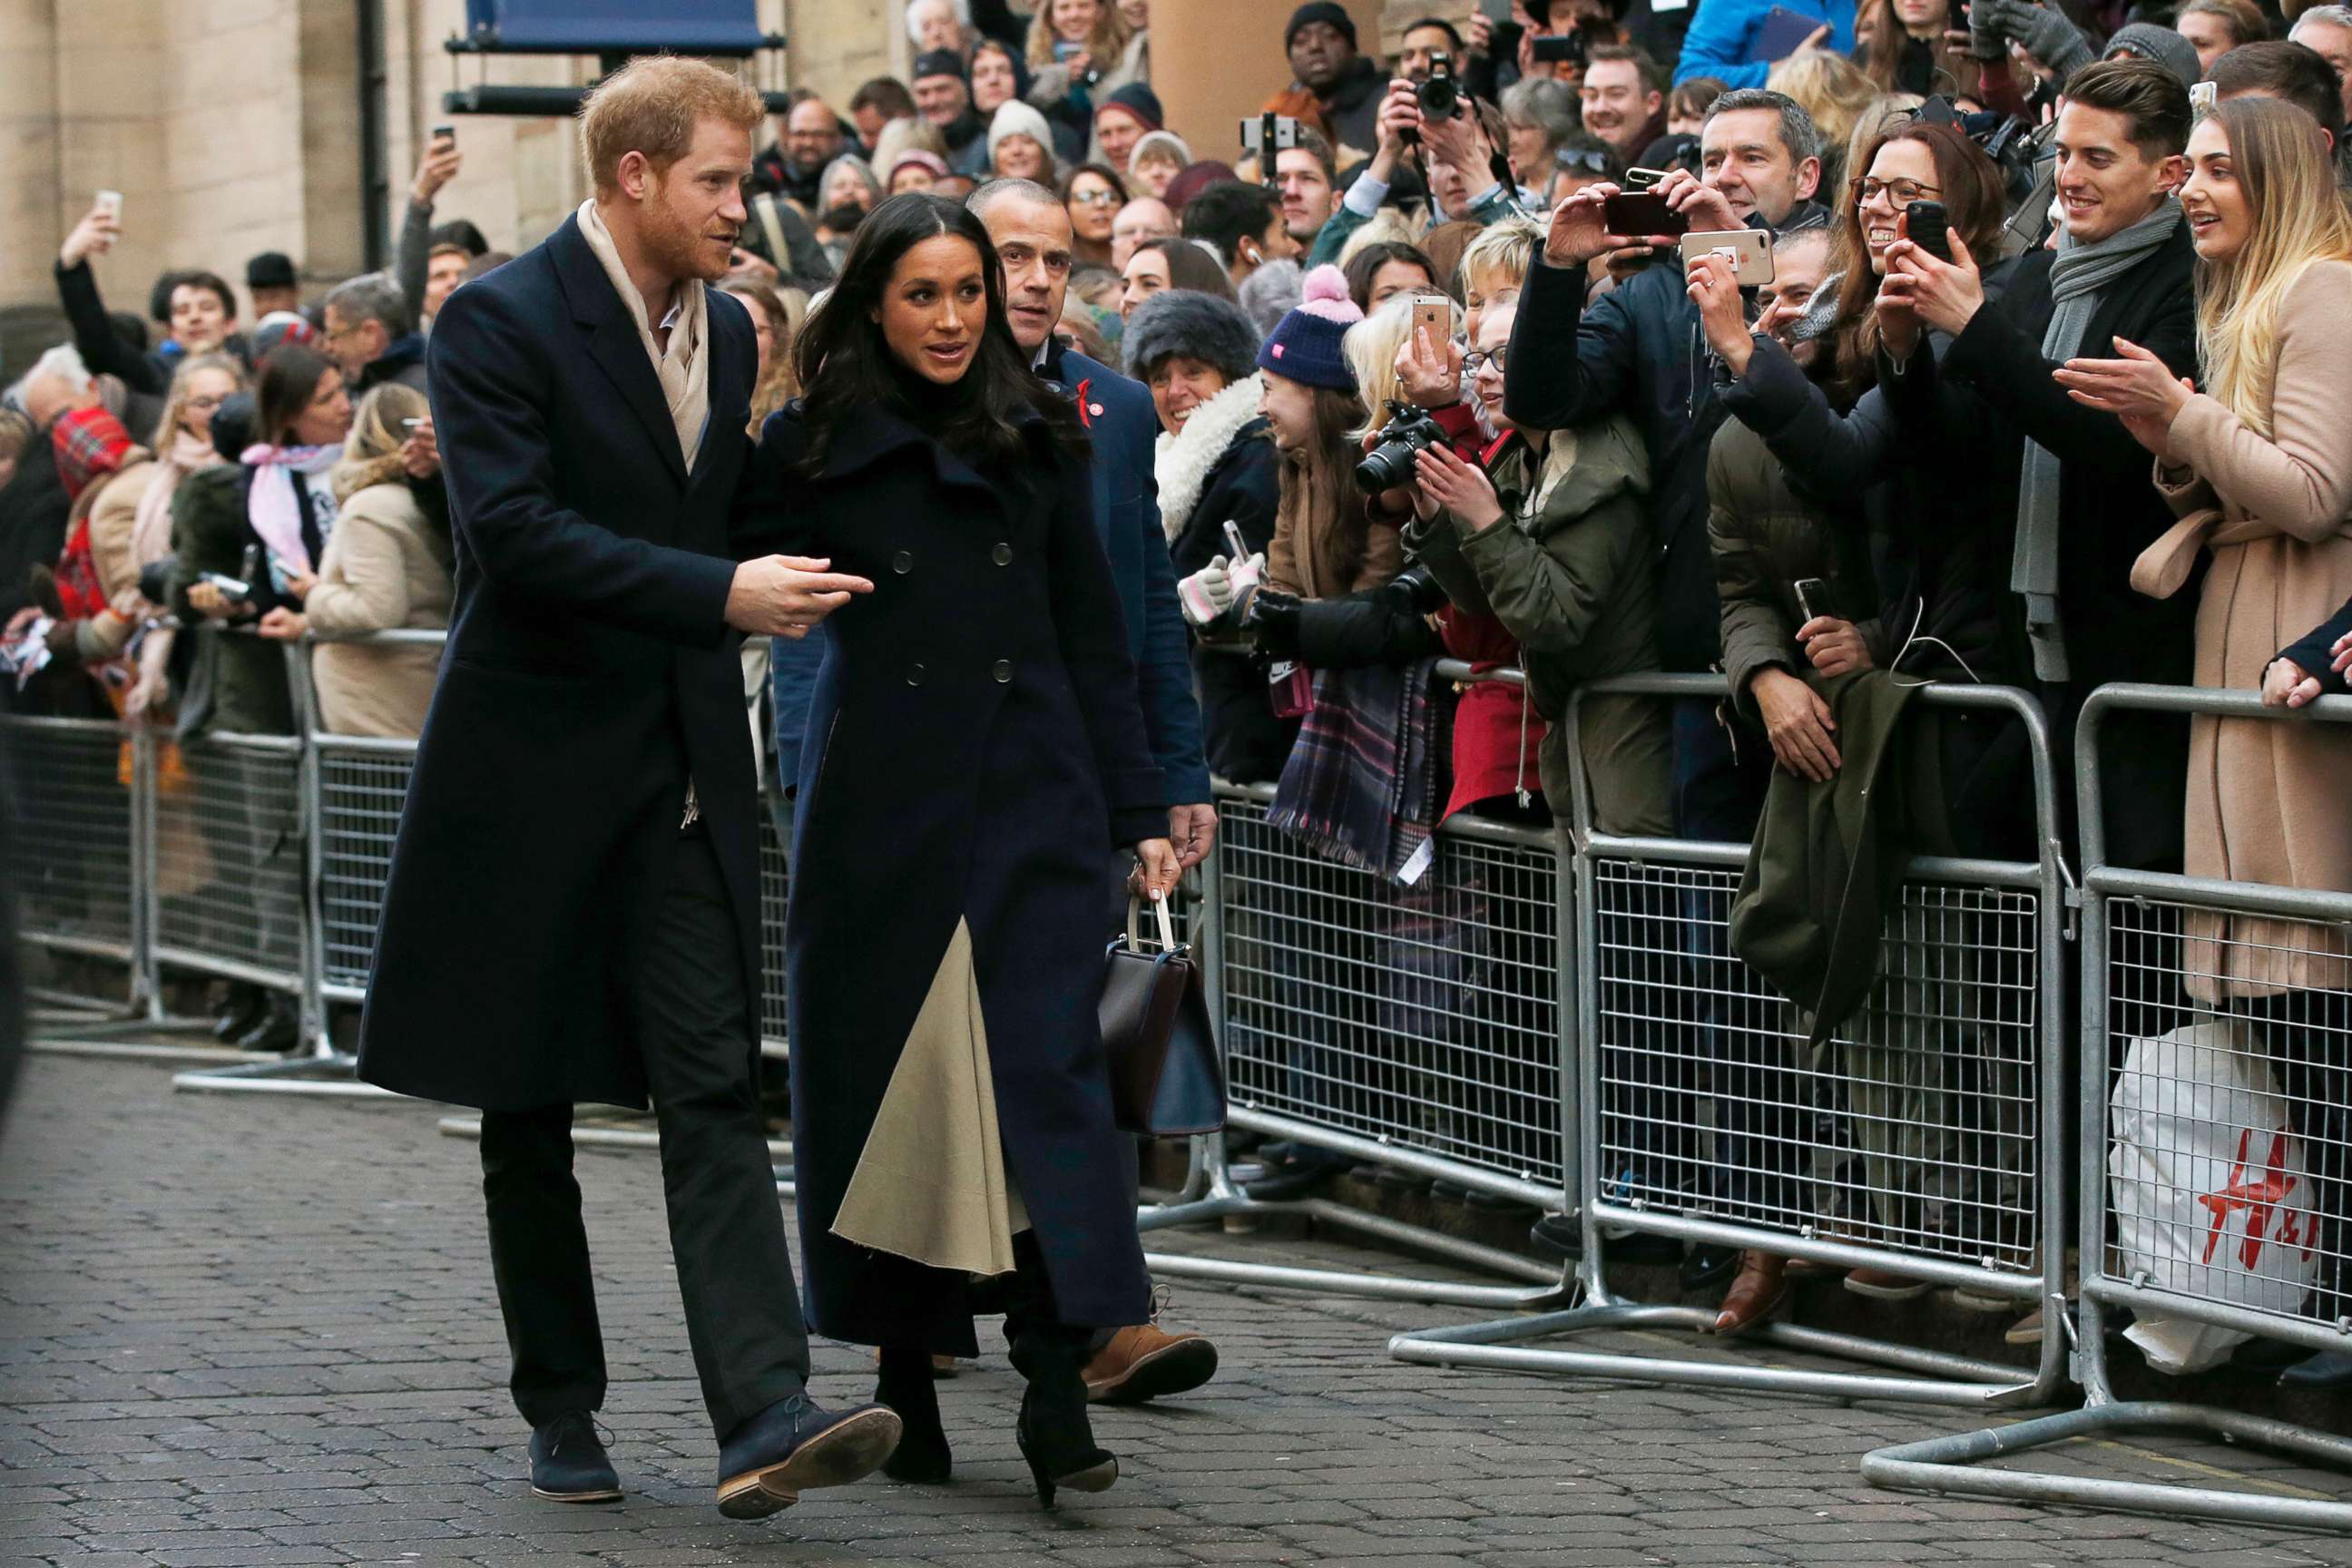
(1160, 909)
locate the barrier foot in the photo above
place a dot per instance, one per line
(1938, 1378)
(95, 1042)
(1551, 1286)
(328, 1076)
(1950, 1466)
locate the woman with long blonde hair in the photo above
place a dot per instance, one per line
(388, 566)
(2258, 466)
(1833, 89)
(1081, 52)
(1909, 49)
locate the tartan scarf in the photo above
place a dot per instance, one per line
(1360, 785)
(89, 442)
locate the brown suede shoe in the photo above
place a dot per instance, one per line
(1759, 1290)
(1144, 1361)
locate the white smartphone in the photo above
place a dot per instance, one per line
(110, 203)
(1750, 251)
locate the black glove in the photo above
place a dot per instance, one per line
(1272, 623)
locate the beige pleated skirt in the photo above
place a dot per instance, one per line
(931, 1184)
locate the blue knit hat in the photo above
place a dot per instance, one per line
(1307, 345)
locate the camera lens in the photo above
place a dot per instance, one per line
(1438, 98)
(1385, 467)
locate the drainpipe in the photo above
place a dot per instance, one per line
(375, 182)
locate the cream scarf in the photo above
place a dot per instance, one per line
(685, 370)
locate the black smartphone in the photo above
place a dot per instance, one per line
(1927, 226)
(446, 134)
(1641, 213)
(1812, 597)
(1560, 48)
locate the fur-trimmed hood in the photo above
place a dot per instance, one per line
(1183, 462)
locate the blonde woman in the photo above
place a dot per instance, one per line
(2260, 468)
(2267, 443)
(776, 317)
(1833, 89)
(1081, 51)
(387, 566)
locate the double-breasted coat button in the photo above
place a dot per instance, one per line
(902, 562)
(1002, 555)
(1003, 670)
(914, 674)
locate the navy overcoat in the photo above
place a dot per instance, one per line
(977, 751)
(590, 671)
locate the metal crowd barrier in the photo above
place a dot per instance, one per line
(1922, 1140)
(2256, 1167)
(1418, 1028)
(79, 853)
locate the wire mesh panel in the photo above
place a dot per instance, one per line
(360, 797)
(2229, 1052)
(1912, 1129)
(774, 885)
(1427, 1017)
(229, 891)
(70, 787)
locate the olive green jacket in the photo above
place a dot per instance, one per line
(1762, 539)
(1572, 572)
(237, 683)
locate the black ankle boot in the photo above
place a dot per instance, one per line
(1055, 1436)
(906, 1387)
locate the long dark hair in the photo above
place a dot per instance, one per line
(847, 367)
(1973, 199)
(288, 381)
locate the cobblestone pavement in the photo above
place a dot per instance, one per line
(240, 1330)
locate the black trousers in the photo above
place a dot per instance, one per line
(726, 1228)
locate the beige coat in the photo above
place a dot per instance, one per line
(2267, 798)
(111, 518)
(385, 566)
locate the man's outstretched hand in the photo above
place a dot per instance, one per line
(784, 595)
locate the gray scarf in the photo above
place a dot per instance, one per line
(2080, 272)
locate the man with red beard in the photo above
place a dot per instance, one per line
(573, 913)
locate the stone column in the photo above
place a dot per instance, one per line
(30, 197)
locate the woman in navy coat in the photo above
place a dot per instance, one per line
(978, 750)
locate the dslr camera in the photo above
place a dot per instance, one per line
(1440, 96)
(1390, 464)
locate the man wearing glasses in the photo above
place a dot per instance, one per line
(372, 333)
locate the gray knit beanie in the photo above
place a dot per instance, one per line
(1198, 326)
(2147, 41)
(1271, 292)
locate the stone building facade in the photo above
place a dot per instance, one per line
(235, 126)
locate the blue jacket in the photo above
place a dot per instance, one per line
(1723, 33)
(1126, 520)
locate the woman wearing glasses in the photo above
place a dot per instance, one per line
(1092, 194)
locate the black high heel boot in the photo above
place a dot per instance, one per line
(906, 1387)
(1055, 1436)
(1054, 1433)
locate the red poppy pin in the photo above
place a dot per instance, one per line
(1086, 411)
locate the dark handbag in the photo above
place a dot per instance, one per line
(1165, 1078)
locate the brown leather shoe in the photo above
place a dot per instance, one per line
(1144, 1361)
(1759, 1289)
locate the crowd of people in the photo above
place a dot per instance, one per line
(2039, 384)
